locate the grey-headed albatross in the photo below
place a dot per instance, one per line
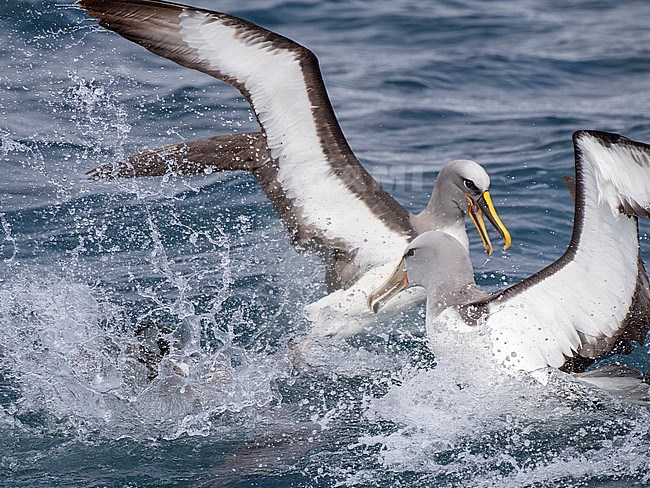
(326, 199)
(594, 299)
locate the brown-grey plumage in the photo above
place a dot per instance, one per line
(246, 152)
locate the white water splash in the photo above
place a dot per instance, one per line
(9, 241)
(504, 432)
(74, 359)
(100, 119)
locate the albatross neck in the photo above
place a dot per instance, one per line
(443, 213)
(462, 292)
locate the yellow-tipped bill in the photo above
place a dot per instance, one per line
(484, 206)
(396, 282)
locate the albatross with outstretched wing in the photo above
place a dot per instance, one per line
(325, 198)
(594, 299)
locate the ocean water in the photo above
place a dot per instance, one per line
(84, 264)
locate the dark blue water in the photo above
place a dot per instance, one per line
(415, 84)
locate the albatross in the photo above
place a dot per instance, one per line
(594, 299)
(325, 198)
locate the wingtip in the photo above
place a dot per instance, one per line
(607, 139)
(602, 136)
(94, 8)
(98, 174)
(90, 5)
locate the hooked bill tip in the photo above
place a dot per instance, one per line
(506, 242)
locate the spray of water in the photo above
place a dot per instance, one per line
(503, 431)
(159, 365)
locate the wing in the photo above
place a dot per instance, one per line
(220, 153)
(595, 297)
(636, 325)
(321, 191)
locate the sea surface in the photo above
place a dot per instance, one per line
(415, 84)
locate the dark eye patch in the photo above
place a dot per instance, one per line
(408, 253)
(469, 184)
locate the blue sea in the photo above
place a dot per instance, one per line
(415, 84)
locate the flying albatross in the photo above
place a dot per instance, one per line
(594, 299)
(327, 201)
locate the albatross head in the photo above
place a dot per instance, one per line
(464, 185)
(436, 261)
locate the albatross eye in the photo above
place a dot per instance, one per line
(469, 184)
(408, 253)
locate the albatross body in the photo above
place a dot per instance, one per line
(327, 201)
(594, 299)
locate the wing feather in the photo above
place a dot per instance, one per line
(245, 152)
(595, 297)
(322, 188)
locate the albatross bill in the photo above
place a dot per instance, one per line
(475, 211)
